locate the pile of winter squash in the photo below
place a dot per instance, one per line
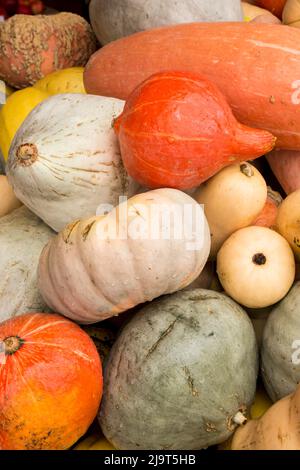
(150, 227)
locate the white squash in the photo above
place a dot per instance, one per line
(114, 19)
(22, 238)
(256, 267)
(232, 199)
(101, 266)
(64, 160)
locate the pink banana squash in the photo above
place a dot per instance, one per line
(256, 66)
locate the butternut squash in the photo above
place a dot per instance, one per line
(256, 266)
(231, 199)
(34, 46)
(277, 429)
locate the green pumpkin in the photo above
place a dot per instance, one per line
(181, 375)
(280, 354)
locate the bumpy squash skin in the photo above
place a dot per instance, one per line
(113, 19)
(22, 238)
(279, 367)
(226, 53)
(76, 158)
(104, 273)
(165, 386)
(277, 429)
(60, 41)
(51, 386)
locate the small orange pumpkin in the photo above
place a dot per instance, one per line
(177, 130)
(50, 382)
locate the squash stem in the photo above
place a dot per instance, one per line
(12, 344)
(239, 419)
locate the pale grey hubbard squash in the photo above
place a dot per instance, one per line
(65, 160)
(115, 19)
(280, 353)
(22, 238)
(101, 266)
(181, 375)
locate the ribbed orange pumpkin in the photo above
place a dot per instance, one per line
(177, 130)
(50, 382)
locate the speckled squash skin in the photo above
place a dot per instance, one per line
(34, 46)
(115, 19)
(179, 373)
(280, 353)
(50, 383)
(101, 266)
(22, 238)
(65, 161)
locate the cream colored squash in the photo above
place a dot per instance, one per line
(277, 429)
(232, 199)
(8, 200)
(101, 266)
(64, 160)
(22, 238)
(288, 221)
(256, 267)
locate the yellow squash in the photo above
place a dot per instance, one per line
(22, 102)
(95, 441)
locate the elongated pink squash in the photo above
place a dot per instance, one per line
(286, 167)
(256, 66)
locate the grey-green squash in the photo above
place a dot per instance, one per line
(113, 19)
(181, 375)
(280, 354)
(22, 238)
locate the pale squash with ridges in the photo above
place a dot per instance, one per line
(99, 267)
(64, 161)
